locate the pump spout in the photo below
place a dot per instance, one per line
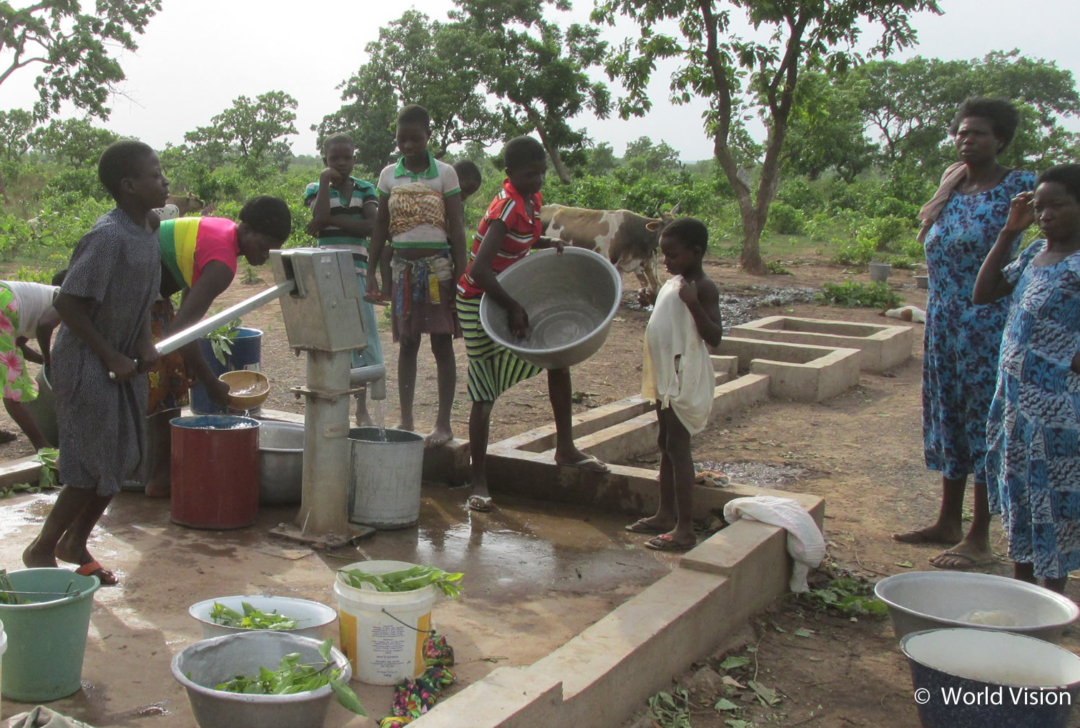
(374, 375)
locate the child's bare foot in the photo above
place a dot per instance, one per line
(441, 435)
(406, 426)
(35, 557)
(936, 534)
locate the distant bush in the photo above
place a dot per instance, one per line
(785, 219)
(859, 295)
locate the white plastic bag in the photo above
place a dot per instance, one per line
(804, 540)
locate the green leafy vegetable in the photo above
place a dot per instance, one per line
(252, 618)
(222, 337)
(410, 579)
(291, 677)
(47, 478)
(8, 594)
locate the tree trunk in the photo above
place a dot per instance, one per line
(750, 258)
(552, 150)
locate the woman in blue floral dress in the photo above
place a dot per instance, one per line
(962, 340)
(1033, 463)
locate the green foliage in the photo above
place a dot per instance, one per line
(419, 61)
(291, 677)
(776, 268)
(222, 337)
(853, 294)
(537, 69)
(670, 710)
(785, 219)
(71, 48)
(33, 275)
(252, 618)
(848, 596)
(251, 133)
(48, 477)
(416, 577)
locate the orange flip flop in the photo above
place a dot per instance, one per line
(94, 568)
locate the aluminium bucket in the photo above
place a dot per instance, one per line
(246, 354)
(384, 477)
(46, 639)
(383, 633)
(215, 471)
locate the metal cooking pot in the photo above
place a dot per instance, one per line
(571, 300)
(281, 463)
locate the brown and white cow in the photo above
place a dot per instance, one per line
(185, 204)
(628, 240)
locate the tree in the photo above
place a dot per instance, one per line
(826, 130)
(72, 48)
(726, 69)
(251, 132)
(909, 106)
(414, 61)
(15, 128)
(538, 71)
(601, 160)
(74, 142)
(644, 157)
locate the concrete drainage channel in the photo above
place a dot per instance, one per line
(602, 676)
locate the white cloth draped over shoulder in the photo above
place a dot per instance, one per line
(686, 386)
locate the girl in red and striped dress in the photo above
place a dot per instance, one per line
(509, 230)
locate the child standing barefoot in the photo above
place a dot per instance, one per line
(420, 213)
(104, 305)
(1033, 434)
(678, 375)
(509, 230)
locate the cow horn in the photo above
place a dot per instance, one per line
(676, 208)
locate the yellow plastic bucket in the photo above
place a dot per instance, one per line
(383, 633)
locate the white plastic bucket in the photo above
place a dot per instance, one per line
(383, 633)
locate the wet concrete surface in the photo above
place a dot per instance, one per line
(537, 574)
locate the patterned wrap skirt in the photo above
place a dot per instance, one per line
(493, 369)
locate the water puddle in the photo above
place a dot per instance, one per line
(16, 513)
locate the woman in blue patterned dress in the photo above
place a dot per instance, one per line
(1033, 463)
(961, 339)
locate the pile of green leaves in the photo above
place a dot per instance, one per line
(405, 580)
(848, 596)
(670, 710)
(291, 677)
(252, 618)
(859, 295)
(48, 479)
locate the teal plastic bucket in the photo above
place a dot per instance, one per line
(46, 637)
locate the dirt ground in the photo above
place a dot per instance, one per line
(861, 451)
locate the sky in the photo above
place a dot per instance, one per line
(197, 56)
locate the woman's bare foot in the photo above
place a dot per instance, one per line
(439, 436)
(35, 557)
(937, 534)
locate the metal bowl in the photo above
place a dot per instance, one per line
(281, 463)
(923, 600)
(571, 300)
(970, 677)
(312, 617)
(254, 386)
(205, 664)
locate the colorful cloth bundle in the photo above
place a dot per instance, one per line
(413, 698)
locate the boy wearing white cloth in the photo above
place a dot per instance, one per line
(678, 375)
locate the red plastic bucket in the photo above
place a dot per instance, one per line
(215, 471)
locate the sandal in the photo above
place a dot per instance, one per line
(664, 542)
(7, 436)
(643, 526)
(106, 577)
(479, 503)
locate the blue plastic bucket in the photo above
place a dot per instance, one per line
(246, 354)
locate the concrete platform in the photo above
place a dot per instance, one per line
(796, 372)
(881, 347)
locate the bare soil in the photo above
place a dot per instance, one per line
(861, 451)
